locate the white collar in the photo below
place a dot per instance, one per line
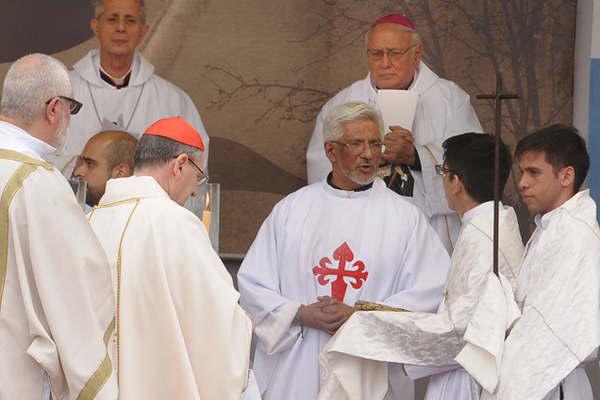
(482, 208)
(542, 221)
(131, 187)
(17, 139)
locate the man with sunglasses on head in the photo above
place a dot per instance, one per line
(118, 85)
(394, 54)
(56, 302)
(328, 245)
(180, 333)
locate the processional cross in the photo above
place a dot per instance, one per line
(498, 97)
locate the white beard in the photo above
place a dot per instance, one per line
(356, 179)
(61, 135)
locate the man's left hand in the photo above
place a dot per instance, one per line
(338, 309)
(399, 146)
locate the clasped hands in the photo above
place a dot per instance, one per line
(399, 146)
(327, 314)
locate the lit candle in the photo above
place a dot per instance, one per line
(207, 214)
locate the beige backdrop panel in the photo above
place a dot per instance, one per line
(259, 72)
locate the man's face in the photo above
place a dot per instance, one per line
(540, 186)
(92, 167)
(392, 71)
(186, 181)
(119, 28)
(352, 169)
(450, 182)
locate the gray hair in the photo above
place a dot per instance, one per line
(416, 38)
(99, 9)
(333, 126)
(154, 151)
(30, 82)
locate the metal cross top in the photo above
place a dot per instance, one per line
(498, 97)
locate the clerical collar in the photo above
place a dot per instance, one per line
(116, 82)
(358, 189)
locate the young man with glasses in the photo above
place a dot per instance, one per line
(328, 245)
(394, 54)
(56, 301)
(180, 333)
(470, 325)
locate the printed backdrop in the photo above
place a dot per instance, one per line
(259, 71)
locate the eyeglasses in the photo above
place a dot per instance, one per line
(203, 176)
(74, 105)
(357, 147)
(393, 54)
(442, 170)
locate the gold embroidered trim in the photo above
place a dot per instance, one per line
(118, 266)
(362, 305)
(100, 377)
(22, 158)
(14, 184)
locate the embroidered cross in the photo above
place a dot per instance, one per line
(343, 255)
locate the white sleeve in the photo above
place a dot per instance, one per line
(258, 281)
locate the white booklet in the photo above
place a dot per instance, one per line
(397, 107)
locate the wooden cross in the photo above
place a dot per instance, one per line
(498, 97)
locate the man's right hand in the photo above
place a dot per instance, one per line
(315, 317)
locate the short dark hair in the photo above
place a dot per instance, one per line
(562, 147)
(471, 157)
(120, 149)
(153, 150)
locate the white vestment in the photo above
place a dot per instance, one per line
(56, 302)
(180, 332)
(560, 325)
(381, 243)
(468, 329)
(146, 99)
(443, 110)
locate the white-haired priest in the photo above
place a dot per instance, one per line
(328, 245)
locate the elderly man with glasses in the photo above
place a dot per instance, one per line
(394, 54)
(180, 333)
(327, 246)
(118, 85)
(56, 302)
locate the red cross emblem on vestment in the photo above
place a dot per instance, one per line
(343, 255)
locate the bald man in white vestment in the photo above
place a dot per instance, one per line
(394, 53)
(56, 302)
(328, 245)
(558, 287)
(469, 328)
(180, 333)
(119, 87)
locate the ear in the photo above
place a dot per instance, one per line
(419, 51)
(145, 30)
(456, 185)
(329, 151)
(51, 111)
(566, 176)
(120, 171)
(94, 26)
(178, 164)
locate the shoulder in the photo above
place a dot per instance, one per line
(169, 88)
(293, 199)
(402, 205)
(358, 91)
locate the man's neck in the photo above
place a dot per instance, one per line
(116, 66)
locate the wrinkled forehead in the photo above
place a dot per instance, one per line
(124, 8)
(360, 129)
(389, 36)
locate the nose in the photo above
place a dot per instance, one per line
(79, 171)
(121, 25)
(523, 182)
(385, 61)
(367, 152)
